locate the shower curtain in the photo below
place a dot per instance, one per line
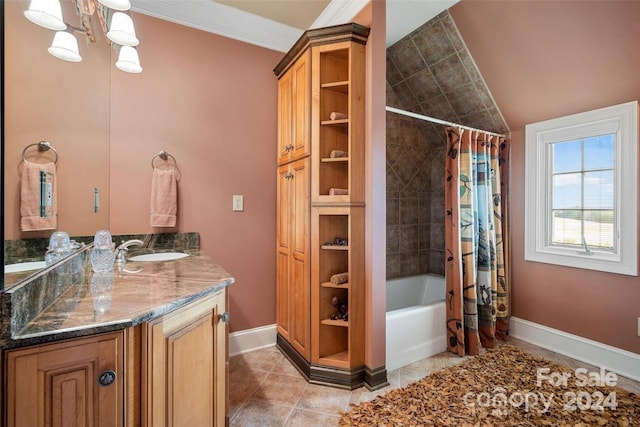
(476, 240)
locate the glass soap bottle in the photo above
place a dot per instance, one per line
(103, 254)
(59, 248)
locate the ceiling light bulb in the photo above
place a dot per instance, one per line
(121, 30)
(117, 4)
(65, 47)
(46, 13)
(128, 60)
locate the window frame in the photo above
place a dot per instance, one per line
(620, 119)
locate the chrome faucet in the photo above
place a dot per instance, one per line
(124, 248)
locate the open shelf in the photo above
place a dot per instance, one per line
(331, 322)
(335, 247)
(335, 160)
(334, 66)
(336, 359)
(340, 122)
(342, 86)
(333, 285)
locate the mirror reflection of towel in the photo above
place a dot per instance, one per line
(38, 211)
(164, 198)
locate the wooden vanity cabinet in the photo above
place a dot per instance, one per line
(171, 371)
(184, 382)
(58, 384)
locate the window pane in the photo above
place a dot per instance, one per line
(598, 228)
(566, 227)
(567, 156)
(598, 152)
(567, 191)
(598, 190)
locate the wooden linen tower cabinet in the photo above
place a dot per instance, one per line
(320, 310)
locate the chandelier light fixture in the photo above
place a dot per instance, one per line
(114, 19)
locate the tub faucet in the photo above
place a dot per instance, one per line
(124, 248)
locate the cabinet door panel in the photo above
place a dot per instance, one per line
(69, 398)
(299, 261)
(57, 384)
(284, 114)
(283, 232)
(190, 384)
(300, 108)
(186, 376)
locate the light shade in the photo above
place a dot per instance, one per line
(65, 46)
(121, 30)
(117, 4)
(46, 13)
(128, 60)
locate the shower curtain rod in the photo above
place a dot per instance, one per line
(438, 121)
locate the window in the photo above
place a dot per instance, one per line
(581, 193)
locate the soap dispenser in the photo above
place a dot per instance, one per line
(59, 248)
(103, 254)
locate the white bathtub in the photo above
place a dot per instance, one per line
(415, 319)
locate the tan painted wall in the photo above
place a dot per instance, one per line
(544, 59)
(210, 102)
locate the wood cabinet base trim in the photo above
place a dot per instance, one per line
(375, 379)
(348, 379)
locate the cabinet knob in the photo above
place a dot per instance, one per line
(107, 378)
(224, 317)
(289, 176)
(288, 148)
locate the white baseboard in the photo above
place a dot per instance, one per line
(252, 339)
(614, 359)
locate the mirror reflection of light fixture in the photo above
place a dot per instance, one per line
(65, 47)
(119, 32)
(117, 4)
(46, 13)
(128, 60)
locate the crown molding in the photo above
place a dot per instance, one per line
(339, 12)
(222, 20)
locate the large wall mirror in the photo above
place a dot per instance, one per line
(64, 103)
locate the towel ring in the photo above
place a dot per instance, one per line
(164, 156)
(42, 146)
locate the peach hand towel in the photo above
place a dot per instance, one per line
(338, 116)
(164, 198)
(31, 217)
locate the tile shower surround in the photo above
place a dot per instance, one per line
(430, 72)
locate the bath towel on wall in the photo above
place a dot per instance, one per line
(38, 197)
(164, 198)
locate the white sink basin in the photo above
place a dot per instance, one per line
(165, 256)
(24, 266)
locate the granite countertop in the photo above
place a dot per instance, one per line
(120, 299)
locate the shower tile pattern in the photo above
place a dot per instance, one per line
(430, 72)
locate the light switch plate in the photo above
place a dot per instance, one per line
(238, 203)
(639, 326)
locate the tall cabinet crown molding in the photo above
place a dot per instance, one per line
(320, 311)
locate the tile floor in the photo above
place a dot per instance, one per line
(266, 390)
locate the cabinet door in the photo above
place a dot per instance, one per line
(283, 250)
(186, 382)
(285, 89)
(294, 89)
(58, 384)
(300, 108)
(299, 261)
